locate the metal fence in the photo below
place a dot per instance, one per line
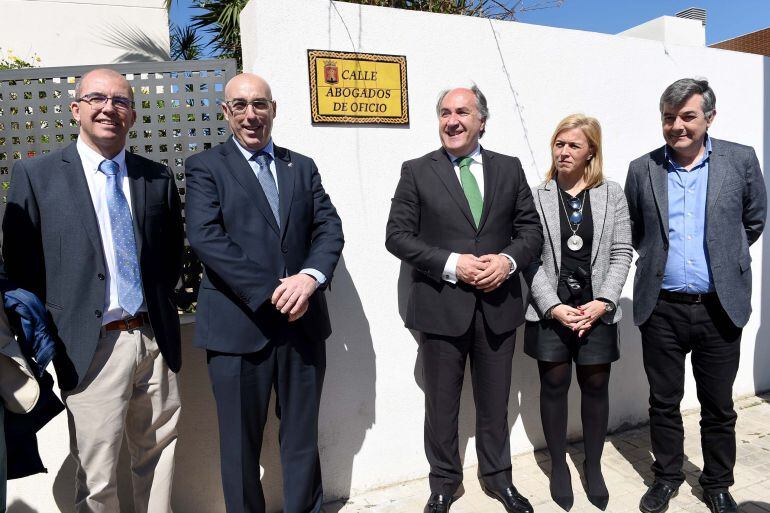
(178, 114)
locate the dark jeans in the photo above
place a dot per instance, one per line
(673, 330)
(443, 366)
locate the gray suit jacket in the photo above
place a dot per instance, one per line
(611, 250)
(736, 205)
(52, 247)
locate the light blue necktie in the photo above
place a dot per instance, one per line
(267, 182)
(129, 278)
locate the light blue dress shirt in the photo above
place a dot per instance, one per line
(687, 267)
(269, 149)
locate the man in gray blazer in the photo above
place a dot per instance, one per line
(96, 232)
(696, 204)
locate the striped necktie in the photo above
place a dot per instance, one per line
(267, 182)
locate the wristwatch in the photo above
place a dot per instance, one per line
(609, 306)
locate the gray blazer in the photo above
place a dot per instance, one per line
(611, 250)
(52, 248)
(736, 205)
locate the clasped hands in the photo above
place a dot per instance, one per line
(579, 318)
(486, 272)
(291, 296)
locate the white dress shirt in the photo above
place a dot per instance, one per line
(247, 154)
(97, 186)
(477, 170)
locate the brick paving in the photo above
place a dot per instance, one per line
(626, 465)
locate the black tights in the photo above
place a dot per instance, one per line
(555, 380)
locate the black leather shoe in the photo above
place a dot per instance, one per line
(513, 501)
(720, 502)
(655, 500)
(438, 503)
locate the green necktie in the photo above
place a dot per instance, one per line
(471, 188)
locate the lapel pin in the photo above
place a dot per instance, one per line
(291, 164)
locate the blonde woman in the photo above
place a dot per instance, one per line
(574, 292)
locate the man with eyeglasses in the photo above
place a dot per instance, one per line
(269, 239)
(696, 205)
(96, 232)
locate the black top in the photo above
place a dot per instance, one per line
(571, 260)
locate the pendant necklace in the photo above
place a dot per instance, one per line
(575, 242)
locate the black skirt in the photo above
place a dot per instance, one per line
(550, 341)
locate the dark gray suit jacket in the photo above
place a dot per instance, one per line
(736, 206)
(52, 247)
(430, 218)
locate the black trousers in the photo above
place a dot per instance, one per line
(673, 330)
(443, 365)
(242, 383)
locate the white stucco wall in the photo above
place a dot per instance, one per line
(372, 408)
(82, 32)
(532, 76)
(671, 31)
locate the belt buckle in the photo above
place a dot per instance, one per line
(126, 323)
(699, 298)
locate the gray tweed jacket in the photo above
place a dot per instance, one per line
(611, 251)
(736, 207)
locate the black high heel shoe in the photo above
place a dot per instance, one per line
(561, 489)
(600, 499)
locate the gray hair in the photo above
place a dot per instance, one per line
(680, 91)
(481, 103)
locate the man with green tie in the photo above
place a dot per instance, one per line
(463, 218)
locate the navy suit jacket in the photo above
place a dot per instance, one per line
(52, 247)
(245, 253)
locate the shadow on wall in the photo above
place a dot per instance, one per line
(348, 400)
(138, 46)
(629, 388)
(762, 343)
(349, 396)
(20, 507)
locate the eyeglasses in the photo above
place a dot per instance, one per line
(238, 107)
(98, 101)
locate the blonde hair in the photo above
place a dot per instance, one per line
(593, 132)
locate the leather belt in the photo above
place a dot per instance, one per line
(681, 297)
(127, 324)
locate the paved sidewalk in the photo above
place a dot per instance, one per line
(626, 465)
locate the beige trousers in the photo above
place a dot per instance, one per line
(127, 388)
